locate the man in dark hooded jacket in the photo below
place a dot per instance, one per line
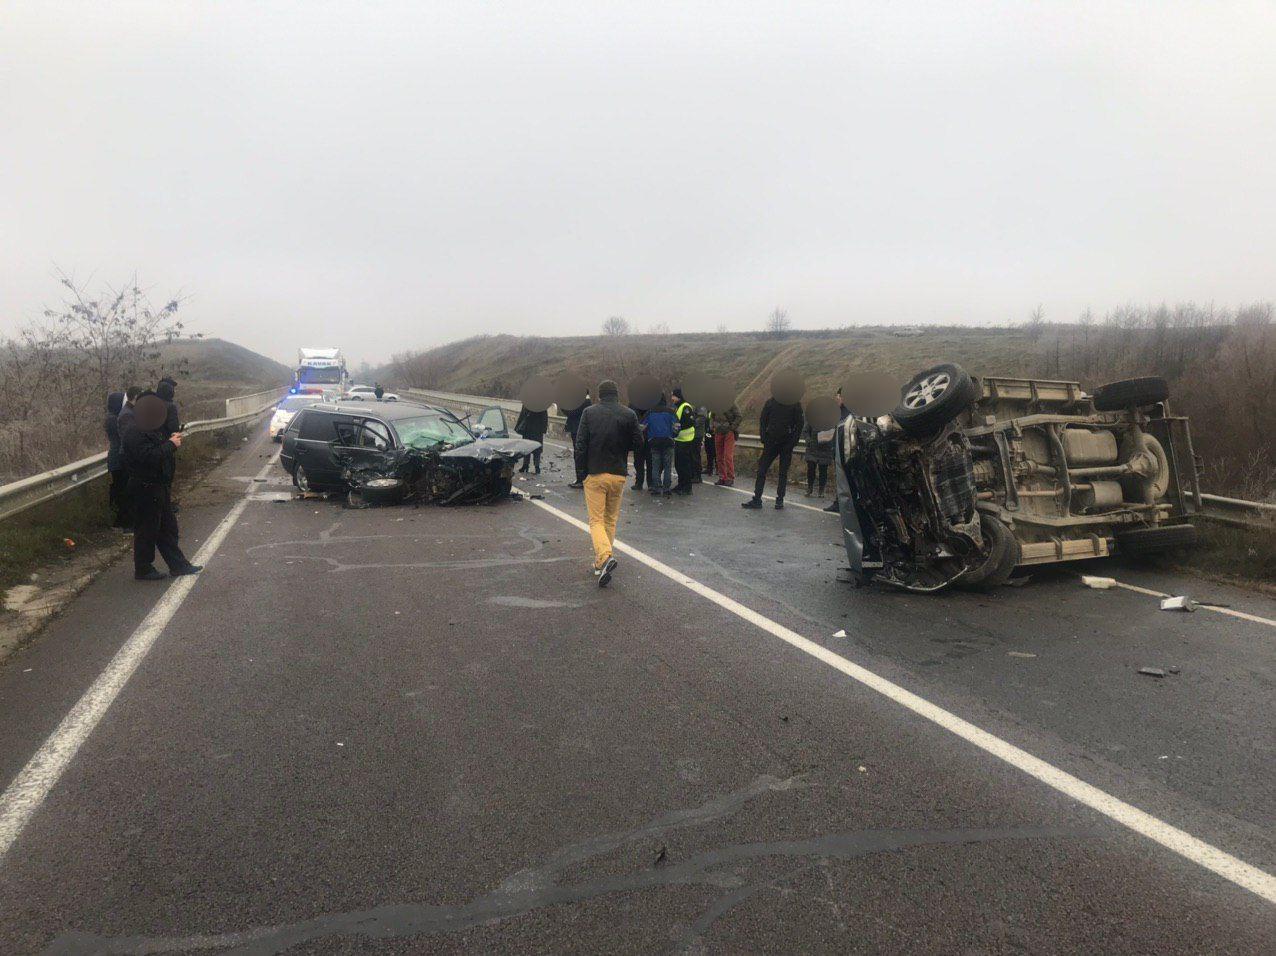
(532, 426)
(166, 390)
(117, 496)
(781, 427)
(149, 457)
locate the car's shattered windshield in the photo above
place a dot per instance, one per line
(431, 431)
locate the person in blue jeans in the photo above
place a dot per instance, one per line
(659, 424)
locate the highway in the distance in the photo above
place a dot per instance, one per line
(426, 730)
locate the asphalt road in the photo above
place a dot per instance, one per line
(420, 730)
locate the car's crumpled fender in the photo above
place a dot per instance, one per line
(490, 449)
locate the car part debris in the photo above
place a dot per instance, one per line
(1178, 604)
(1098, 583)
(1152, 671)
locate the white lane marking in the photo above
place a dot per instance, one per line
(787, 503)
(1171, 837)
(1230, 612)
(29, 788)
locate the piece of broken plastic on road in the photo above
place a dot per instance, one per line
(1098, 583)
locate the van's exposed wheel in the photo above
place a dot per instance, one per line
(300, 480)
(1140, 541)
(1004, 554)
(1136, 392)
(933, 398)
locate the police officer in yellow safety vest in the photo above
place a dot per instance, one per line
(685, 451)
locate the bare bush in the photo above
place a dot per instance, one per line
(777, 323)
(55, 374)
(616, 325)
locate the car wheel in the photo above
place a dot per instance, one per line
(1141, 541)
(383, 491)
(934, 398)
(300, 480)
(1131, 392)
(1004, 554)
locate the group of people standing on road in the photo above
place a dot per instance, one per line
(668, 438)
(143, 432)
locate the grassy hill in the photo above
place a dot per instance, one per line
(498, 365)
(1222, 371)
(208, 371)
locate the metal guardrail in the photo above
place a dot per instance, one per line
(248, 404)
(1232, 511)
(1240, 513)
(25, 493)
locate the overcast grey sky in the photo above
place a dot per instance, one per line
(385, 175)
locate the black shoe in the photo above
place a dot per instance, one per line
(538, 471)
(151, 575)
(577, 484)
(834, 508)
(779, 504)
(753, 504)
(604, 573)
(682, 491)
(189, 569)
(655, 491)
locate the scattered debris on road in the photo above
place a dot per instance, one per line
(1019, 654)
(841, 633)
(1098, 583)
(1152, 671)
(1178, 604)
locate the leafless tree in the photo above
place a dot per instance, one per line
(55, 373)
(658, 328)
(777, 323)
(722, 328)
(616, 325)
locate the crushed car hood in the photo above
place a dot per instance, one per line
(490, 449)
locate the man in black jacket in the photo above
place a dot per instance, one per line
(149, 456)
(167, 389)
(607, 433)
(532, 426)
(117, 497)
(781, 427)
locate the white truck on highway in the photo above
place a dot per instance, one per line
(319, 371)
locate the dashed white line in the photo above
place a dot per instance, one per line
(31, 786)
(1171, 837)
(1230, 612)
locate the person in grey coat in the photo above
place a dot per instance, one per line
(818, 455)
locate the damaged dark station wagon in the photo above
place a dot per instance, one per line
(969, 478)
(399, 451)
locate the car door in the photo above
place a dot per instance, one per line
(361, 441)
(313, 446)
(491, 423)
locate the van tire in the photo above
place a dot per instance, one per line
(1141, 541)
(933, 398)
(1131, 392)
(1004, 554)
(300, 480)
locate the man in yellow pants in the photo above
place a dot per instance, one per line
(607, 433)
